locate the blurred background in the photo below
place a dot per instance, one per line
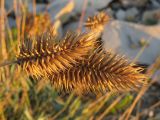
(134, 31)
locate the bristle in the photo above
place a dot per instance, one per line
(43, 57)
(98, 73)
(97, 22)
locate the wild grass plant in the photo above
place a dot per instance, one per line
(70, 78)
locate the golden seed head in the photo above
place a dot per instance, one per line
(99, 72)
(77, 63)
(98, 21)
(43, 56)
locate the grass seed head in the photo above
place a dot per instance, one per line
(99, 72)
(42, 57)
(98, 21)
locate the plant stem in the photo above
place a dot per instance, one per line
(8, 63)
(2, 29)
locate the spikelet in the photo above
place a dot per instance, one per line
(98, 73)
(97, 22)
(44, 57)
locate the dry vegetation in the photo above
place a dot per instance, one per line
(77, 57)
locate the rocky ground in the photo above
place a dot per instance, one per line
(134, 29)
(134, 24)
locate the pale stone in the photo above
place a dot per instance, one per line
(137, 3)
(120, 14)
(125, 38)
(151, 16)
(131, 13)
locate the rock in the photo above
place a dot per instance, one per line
(64, 12)
(110, 12)
(43, 1)
(75, 25)
(116, 6)
(126, 38)
(155, 3)
(96, 4)
(151, 17)
(12, 22)
(131, 14)
(157, 74)
(151, 113)
(61, 10)
(58, 10)
(121, 14)
(9, 4)
(99, 4)
(71, 27)
(39, 8)
(156, 117)
(136, 3)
